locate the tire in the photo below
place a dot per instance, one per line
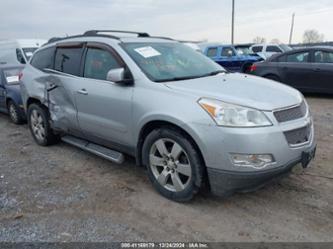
(174, 165)
(39, 125)
(273, 77)
(15, 114)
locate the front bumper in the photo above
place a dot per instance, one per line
(225, 183)
(218, 143)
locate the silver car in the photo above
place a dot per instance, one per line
(181, 115)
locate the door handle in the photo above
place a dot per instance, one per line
(82, 91)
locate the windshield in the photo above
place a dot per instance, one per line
(12, 75)
(285, 48)
(28, 52)
(170, 61)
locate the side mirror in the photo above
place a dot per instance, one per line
(116, 75)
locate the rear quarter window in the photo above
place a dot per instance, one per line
(43, 58)
(67, 60)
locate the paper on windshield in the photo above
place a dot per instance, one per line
(147, 52)
(12, 79)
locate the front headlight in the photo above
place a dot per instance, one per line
(225, 114)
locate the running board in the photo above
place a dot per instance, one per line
(98, 150)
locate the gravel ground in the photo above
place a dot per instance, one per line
(61, 193)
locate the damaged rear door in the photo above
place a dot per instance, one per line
(104, 107)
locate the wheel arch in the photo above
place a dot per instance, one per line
(155, 124)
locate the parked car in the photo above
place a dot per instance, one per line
(16, 52)
(10, 96)
(176, 111)
(307, 69)
(267, 50)
(228, 57)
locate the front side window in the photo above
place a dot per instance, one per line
(227, 51)
(301, 57)
(323, 57)
(43, 58)
(164, 61)
(98, 63)
(274, 49)
(257, 49)
(67, 60)
(211, 52)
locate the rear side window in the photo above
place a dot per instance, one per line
(273, 49)
(98, 63)
(301, 57)
(211, 52)
(227, 51)
(323, 57)
(257, 49)
(67, 60)
(43, 59)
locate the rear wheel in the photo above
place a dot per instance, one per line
(15, 113)
(173, 163)
(38, 120)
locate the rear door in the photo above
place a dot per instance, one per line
(322, 77)
(230, 59)
(104, 107)
(296, 69)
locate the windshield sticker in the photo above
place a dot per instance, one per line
(147, 52)
(12, 79)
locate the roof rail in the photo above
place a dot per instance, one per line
(95, 32)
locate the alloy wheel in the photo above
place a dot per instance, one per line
(37, 125)
(170, 165)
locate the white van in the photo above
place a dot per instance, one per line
(18, 51)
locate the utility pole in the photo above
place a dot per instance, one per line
(233, 22)
(292, 28)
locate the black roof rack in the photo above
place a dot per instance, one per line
(96, 32)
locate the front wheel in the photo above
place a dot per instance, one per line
(38, 120)
(173, 163)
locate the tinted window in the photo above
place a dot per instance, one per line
(273, 49)
(298, 57)
(257, 49)
(43, 58)
(98, 63)
(67, 60)
(211, 52)
(19, 56)
(227, 51)
(323, 57)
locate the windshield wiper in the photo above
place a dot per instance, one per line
(192, 77)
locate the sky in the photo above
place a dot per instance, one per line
(180, 19)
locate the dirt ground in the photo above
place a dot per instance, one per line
(61, 193)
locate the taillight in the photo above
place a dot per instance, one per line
(20, 75)
(253, 67)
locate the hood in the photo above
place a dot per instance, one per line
(240, 89)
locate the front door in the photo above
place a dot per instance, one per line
(322, 77)
(104, 107)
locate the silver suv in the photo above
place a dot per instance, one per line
(184, 117)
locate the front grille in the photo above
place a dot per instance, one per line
(298, 136)
(291, 113)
